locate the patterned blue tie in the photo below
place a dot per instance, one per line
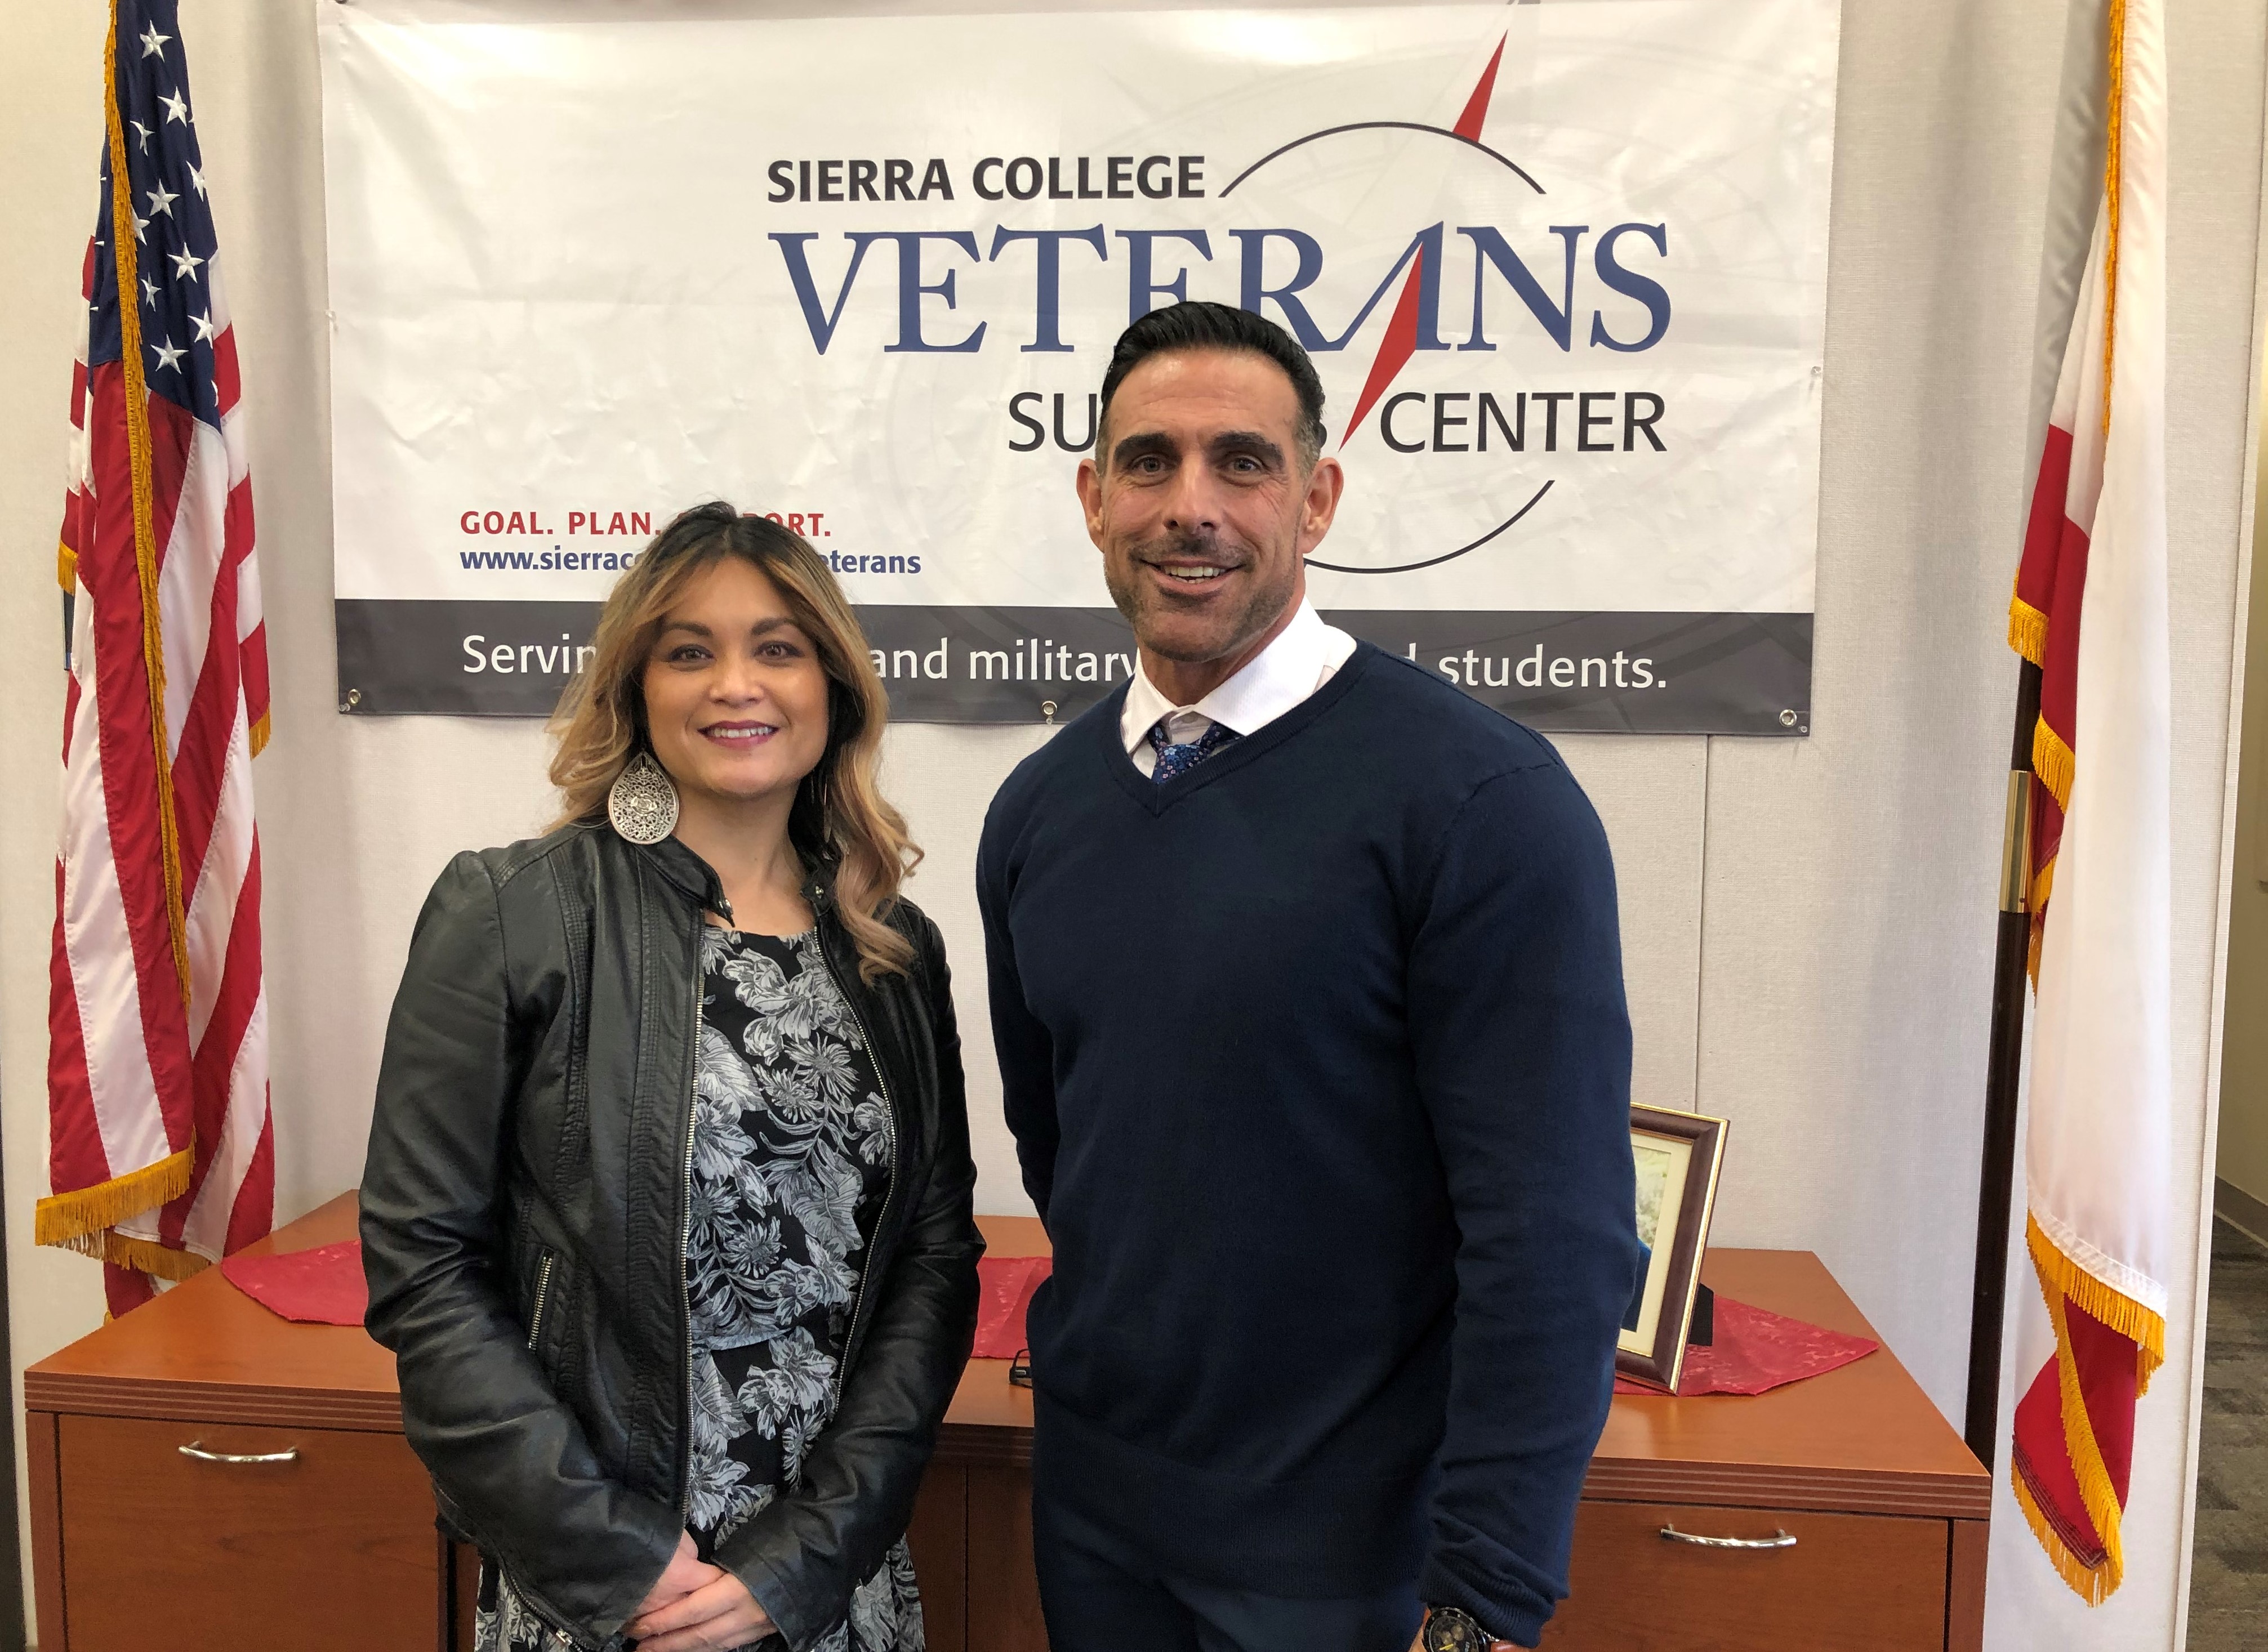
(1174, 759)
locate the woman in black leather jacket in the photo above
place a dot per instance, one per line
(666, 1214)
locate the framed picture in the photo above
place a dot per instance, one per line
(1678, 1155)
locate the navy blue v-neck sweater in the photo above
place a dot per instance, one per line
(1318, 1066)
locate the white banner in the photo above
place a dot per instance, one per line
(1561, 267)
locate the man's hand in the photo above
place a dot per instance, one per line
(696, 1607)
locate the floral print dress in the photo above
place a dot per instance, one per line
(792, 1145)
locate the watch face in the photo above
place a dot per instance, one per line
(1449, 1630)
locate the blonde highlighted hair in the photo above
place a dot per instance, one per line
(841, 820)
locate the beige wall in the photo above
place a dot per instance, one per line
(1808, 924)
(2244, 1143)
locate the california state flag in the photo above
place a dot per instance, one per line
(2090, 611)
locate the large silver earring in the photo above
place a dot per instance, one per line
(643, 801)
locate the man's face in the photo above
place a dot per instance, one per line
(1202, 509)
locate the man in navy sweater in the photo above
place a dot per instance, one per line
(1307, 988)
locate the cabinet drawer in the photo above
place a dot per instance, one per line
(1855, 1582)
(333, 1549)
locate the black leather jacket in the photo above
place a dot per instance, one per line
(523, 1227)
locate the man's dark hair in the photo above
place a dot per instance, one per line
(1200, 325)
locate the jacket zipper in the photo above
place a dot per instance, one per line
(542, 1289)
(889, 1193)
(685, 1232)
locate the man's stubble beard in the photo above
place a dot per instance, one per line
(1136, 601)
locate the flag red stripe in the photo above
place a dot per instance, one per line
(75, 1153)
(172, 429)
(2109, 1384)
(227, 385)
(125, 1288)
(256, 673)
(71, 714)
(76, 508)
(201, 762)
(215, 1056)
(2110, 1381)
(2043, 530)
(2043, 1461)
(253, 1212)
(252, 666)
(2060, 671)
(2059, 687)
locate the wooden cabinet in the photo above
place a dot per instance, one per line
(326, 1538)
(236, 1537)
(1855, 1582)
(206, 1476)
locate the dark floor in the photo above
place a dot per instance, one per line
(2229, 1576)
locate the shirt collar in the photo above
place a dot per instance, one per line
(1269, 683)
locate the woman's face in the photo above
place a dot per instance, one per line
(735, 696)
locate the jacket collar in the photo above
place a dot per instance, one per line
(700, 883)
(686, 869)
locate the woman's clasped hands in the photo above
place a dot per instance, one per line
(697, 1607)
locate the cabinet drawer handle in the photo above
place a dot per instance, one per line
(203, 1455)
(1778, 1541)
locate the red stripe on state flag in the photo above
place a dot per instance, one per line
(2044, 625)
(2034, 598)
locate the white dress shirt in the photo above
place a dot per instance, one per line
(1302, 658)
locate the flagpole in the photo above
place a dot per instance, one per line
(2003, 1076)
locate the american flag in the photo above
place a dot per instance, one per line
(161, 1154)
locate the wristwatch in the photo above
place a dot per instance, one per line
(1449, 1630)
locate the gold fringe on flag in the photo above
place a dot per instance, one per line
(152, 1258)
(79, 1220)
(2062, 1278)
(2051, 761)
(2028, 631)
(2088, 1583)
(259, 734)
(67, 569)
